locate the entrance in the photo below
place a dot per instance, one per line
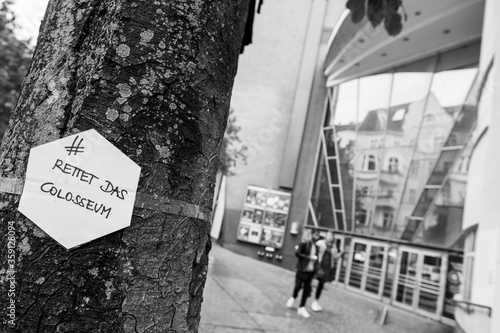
(420, 281)
(338, 265)
(367, 267)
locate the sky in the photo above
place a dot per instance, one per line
(29, 15)
(449, 87)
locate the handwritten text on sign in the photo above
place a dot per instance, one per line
(79, 188)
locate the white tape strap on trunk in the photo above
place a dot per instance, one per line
(11, 185)
(142, 200)
(171, 206)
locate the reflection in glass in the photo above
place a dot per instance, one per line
(340, 220)
(424, 202)
(430, 280)
(406, 278)
(436, 126)
(373, 119)
(346, 106)
(443, 224)
(410, 87)
(374, 274)
(385, 139)
(412, 225)
(344, 263)
(334, 176)
(374, 94)
(336, 198)
(443, 165)
(345, 134)
(463, 126)
(447, 122)
(367, 175)
(451, 87)
(390, 271)
(310, 220)
(434, 129)
(320, 198)
(329, 142)
(337, 262)
(408, 100)
(357, 265)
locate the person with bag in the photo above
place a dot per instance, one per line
(328, 254)
(307, 263)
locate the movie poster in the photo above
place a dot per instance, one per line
(264, 216)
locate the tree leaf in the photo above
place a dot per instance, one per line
(375, 12)
(394, 25)
(378, 11)
(357, 8)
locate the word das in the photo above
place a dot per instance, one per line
(114, 190)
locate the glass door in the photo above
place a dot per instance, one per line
(431, 281)
(344, 261)
(358, 259)
(406, 278)
(375, 269)
(367, 267)
(420, 281)
(338, 264)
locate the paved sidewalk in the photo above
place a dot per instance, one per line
(247, 295)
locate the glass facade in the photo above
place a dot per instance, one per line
(394, 155)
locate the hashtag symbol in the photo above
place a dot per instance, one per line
(75, 147)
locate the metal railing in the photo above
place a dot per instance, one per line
(469, 307)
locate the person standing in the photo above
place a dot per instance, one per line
(307, 254)
(328, 254)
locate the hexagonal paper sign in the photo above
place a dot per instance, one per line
(79, 188)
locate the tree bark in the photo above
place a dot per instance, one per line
(155, 79)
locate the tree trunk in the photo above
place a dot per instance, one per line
(155, 79)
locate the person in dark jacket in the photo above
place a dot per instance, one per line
(307, 254)
(327, 256)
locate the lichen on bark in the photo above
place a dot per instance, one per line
(154, 78)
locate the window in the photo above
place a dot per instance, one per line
(399, 115)
(414, 169)
(469, 254)
(438, 142)
(393, 164)
(361, 217)
(447, 166)
(463, 164)
(452, 141)
(387, 219)
(369, 163)
(429, 117)
(412, 196)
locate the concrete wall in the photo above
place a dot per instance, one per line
(268, 87)
(263, 93)
(262, 99)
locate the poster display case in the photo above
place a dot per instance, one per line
(263, 217)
